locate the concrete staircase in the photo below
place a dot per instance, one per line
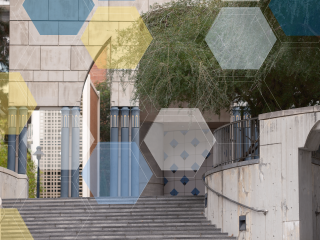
(82, 218)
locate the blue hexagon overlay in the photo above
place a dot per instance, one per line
(240, 38)
(58, 17)
(97, 173)
(297, 17)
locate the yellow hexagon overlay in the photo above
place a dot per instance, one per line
(116, 37)
(16, 103)
(12, 225)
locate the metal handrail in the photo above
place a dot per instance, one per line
(237, 141)
(229, 199)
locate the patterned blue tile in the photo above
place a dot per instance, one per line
(208, 155)
(184, 155)
(184, 180)
(165, 156)
(195, 191)
(174, 192)
(184, 132)
(174, 143)
(165, 181)
(174, 168)
(164, 133)
(205, 153)
(205, 131)
(195, 167)
(195, 142)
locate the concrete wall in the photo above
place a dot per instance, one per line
(316, 199)
(55, 66)
(13, 185)
(285, 182)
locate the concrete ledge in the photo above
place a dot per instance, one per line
(289, 112)
(14, 174)
(315, 161)
(232, 165)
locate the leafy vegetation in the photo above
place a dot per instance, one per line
(31, 169)
(178, 66)
(104, 89)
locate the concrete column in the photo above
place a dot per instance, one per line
(114, 156)
(12, 120)
(135, 153)
(125, 152)
(75, 152)
(22, 154)
(65, 111)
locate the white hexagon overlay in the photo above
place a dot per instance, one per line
(179, 139)
(240, 38)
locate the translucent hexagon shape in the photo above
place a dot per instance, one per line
(240, 38)
(17, 102)
(296, 17)
(97, 172)
(58, 17)
(12, 225)
(179, 139)
(120, 34)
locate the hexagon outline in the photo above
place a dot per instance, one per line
(219, 49)
(51, 17)
(164, 132)
(120, 199)
(115, 19)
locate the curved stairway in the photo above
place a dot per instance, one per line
(82, 218)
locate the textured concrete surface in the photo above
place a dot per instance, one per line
(285, 182)
(12, 184)
(30, 51)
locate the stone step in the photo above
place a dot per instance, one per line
(83, 218)
(108, 210)
(128, 218)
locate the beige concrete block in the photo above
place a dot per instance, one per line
(75, 40)
(82, 76)
(70, 93)
(19, 33)
(296, 111)
(17, 11)
(40, 76)
(26, 75)
(80, 58)
(46, 94)
(55, 58)
(71, 76)
(24, 58)
(36, 39)
(56, 76)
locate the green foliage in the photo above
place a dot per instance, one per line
(31, 168)
(178, 67)
(104, 89)
(32, 175)
(4, 44)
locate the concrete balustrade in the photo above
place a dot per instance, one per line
(13, 185)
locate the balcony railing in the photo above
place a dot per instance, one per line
(236, 142)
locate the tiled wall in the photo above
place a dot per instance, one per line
(186, 183)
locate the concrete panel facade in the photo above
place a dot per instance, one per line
(285, 182)
(31, 52)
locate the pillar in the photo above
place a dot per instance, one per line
(22, 154)
(125, 152)
(75, 152)
(135, 153)
(114, 148)
(12, 119)
(65, 111)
